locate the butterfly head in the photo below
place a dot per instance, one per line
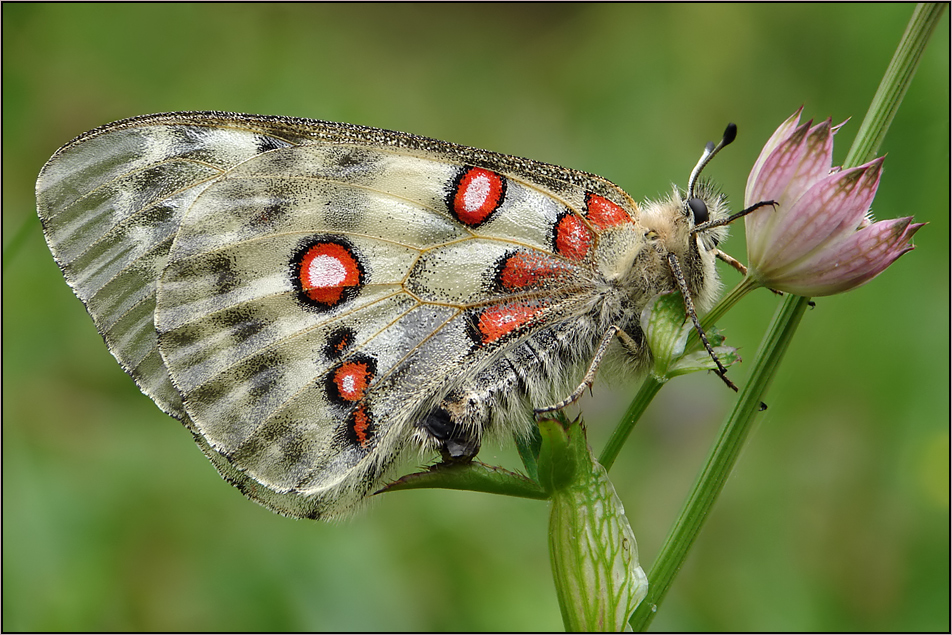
(690, 224)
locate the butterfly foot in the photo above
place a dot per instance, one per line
(575, 396)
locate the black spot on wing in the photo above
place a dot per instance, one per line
(264, 143)
(181, 338)
(269, 215)
(161, 215)
(240, 322)
(350, 157)
(358, 432)
(262, 374)
(227, 277)
(338, 342)
(284, 441)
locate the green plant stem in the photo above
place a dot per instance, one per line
(734, 433)
(895, 83)
(721, 459)
(649, 388)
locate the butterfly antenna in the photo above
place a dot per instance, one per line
(709, 151)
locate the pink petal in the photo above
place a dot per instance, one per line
(778, 168)
(815, 164)
(832, 209)
(795, 165)
(788, 174)
(851, 262)
(769, 185)
(779, 135)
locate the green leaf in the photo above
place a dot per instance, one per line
(700, 360)
(473, 476)
(666, 330)
(529, 452)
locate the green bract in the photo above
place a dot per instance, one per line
(594, 555)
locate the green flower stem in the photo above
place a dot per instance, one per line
(724, 305)
(721, 460)
(735, 431)
(646, 393)
(895, 82)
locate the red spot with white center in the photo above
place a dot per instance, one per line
(328, 273)
(350, 380)
(476, 195)
(602, 213)
(497, 321)
(526, 269)
(572, 238)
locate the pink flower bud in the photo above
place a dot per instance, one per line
(819, 239)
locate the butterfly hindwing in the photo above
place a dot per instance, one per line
(315, 299)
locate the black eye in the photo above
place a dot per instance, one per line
(699, 209)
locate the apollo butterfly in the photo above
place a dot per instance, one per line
(314, 300)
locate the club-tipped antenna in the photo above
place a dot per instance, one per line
(709, 151)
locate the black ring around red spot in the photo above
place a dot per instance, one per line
(338, 342)
(571, 238)
(497, 321)
(523, 269)
(348, 382)
(359, 428)
(326, 272)
(346, 385)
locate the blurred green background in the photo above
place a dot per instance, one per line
(837, 516)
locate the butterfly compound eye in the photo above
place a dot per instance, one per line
(699, 209)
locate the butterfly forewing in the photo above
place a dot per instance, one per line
(111, 203)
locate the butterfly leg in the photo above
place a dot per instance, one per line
(589, 378)
(738, 265)
(733, 262)
(689, 308)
